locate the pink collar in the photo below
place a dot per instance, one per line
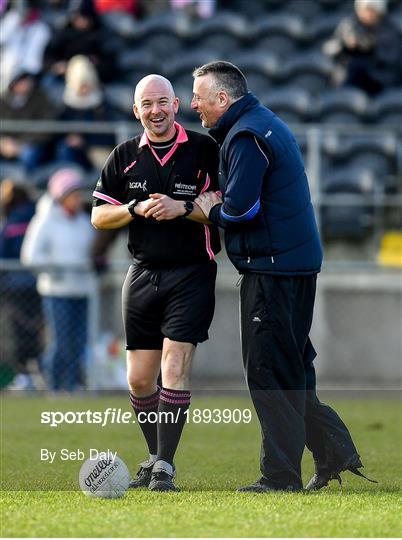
(181, 138)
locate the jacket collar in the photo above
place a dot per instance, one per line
(230, 117)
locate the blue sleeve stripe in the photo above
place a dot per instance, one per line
(243, 217)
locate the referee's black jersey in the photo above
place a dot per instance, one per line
(134, 171)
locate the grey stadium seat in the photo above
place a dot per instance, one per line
(387, 107)
(223, 32)
(345, 220)
(121, 96)
(279, 34)
(310, 71)
(343, 106)
(293, 105)
(180, 68)
(262, 69)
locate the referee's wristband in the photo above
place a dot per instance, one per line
(131, 206)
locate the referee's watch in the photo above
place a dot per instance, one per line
(189, 207)
(130, 207)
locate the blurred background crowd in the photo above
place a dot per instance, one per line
(332, 69)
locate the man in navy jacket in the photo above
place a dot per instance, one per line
(272, 239)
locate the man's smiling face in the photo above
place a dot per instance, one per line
(206, 101)
(156, 107)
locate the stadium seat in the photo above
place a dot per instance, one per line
(321, 28)
(370, 150)
(120, 23)
(310, 71)
(223, 44)
(329, 4)
(346, 145)
(387, 107)
(162, 33)
(134, 58)
(227, 22)
(343, 9)
(120, 96)
(343, 219)
(306, 9)
(293, 105)
(279, 24)
(390, 253)
(173, 22)
(343, 106)
(252, 9)
(222, 23)
(280, 45)
(262, 69)
(223, 32)
(179, 69)
(379, 153)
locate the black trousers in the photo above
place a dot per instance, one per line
(276, 314)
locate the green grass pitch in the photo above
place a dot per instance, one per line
(42, 499)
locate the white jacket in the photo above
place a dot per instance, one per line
(57, 246)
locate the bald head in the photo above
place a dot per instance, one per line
(155, 106)
(153, 81)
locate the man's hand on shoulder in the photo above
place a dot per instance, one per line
(208, 200)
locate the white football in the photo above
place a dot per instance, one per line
(107, 478)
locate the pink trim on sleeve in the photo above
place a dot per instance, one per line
(106, 198)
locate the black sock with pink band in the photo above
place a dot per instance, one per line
(142, 406)
(170, 426)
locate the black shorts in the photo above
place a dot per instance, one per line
(177, 303)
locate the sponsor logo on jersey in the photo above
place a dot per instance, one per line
(130, 166)
(138, 185)
(185, 189)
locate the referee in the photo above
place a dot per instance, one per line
(271, 237)
(150, 183)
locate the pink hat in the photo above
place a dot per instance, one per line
(63, 182)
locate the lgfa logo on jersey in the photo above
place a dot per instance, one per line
(138, 185)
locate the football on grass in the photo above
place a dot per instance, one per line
(107, 478)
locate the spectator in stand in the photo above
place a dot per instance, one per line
(20, 302)
(25, 100)
(23, 38)
(82, 34)
(368, 48)
(85, 102)
(57, 245)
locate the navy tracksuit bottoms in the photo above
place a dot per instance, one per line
(276, 314)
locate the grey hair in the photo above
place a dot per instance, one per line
(380, 6)
(227, 77)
